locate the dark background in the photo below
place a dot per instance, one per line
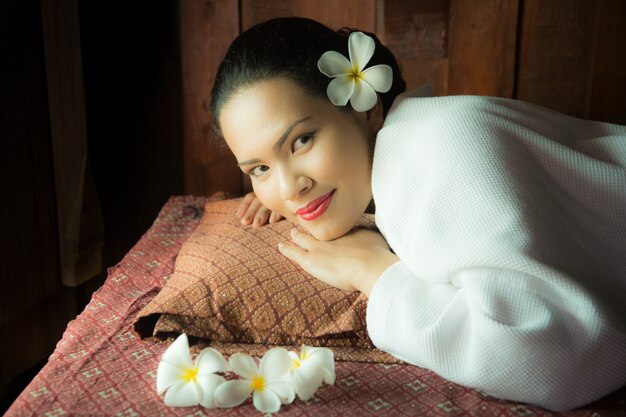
(133, 97)
(132, 81)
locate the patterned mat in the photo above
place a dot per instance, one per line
(100, 368)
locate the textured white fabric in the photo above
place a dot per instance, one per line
(510, 223)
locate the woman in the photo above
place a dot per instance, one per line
(501, 258)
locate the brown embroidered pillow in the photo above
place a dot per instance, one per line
(231, 284)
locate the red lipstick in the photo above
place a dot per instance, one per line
(316, 207)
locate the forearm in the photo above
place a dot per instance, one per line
(365, 280)
(510, 334)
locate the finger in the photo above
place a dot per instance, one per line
(292, 252)
(261, 217)
(304, 240)
(253, 208)
(275, 217)
(244, 204)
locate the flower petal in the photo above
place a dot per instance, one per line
(266, 401)
(364, 97)
(332, 64)
(183, 394)
(244, 365)
(232, 393)
(275, 364)
(307, 379)
(329, 376)
(379, 77)
(284, 389)
(294, 356)
(167, 375)
(325, 358)
(210, 361)
(208, 384)
(340, 90)
(178, 353)
(361, 48)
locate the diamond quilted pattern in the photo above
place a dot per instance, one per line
(231, 284)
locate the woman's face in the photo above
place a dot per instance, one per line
(308, 159)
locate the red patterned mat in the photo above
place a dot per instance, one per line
(100, 367)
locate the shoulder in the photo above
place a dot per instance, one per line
(409, 108)
(511, 116)
(451, 124)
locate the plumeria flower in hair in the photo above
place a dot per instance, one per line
(351, 80)
(309, 369)
(269, 384)
(188, 383)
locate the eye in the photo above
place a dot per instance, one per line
(302, 141)
(258, 170)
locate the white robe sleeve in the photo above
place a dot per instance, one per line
(512, 245)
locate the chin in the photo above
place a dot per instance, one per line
(328, 233)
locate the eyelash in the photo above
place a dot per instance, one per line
(310, 136)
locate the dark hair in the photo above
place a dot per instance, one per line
(290, 47)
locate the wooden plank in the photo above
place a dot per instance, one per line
(482, 42)
(359, 14)
(556, 54)
(32, 316)
(417, 34)
(607, 101)
(81, 229)
(29, 247)
(206, 30)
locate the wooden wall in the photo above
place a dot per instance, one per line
(568, 55)
(572, 57)
(85, 87)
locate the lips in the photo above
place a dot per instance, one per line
(316, 207)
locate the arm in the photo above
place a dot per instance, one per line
(512, 334)
(496, 289)
(352, 262)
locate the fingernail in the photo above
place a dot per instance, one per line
(294, 232)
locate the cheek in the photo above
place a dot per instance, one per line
(268, 194)
(349, 162)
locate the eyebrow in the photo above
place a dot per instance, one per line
(279, 143)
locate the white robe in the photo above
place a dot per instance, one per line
(510, 223)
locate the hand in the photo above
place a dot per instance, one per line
(251, 211)
(352, 262)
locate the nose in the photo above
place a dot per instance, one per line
(293, 185)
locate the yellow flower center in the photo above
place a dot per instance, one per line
(295, 364)
(356, 76)
(355, 73)
(190, 374)
(257, 383)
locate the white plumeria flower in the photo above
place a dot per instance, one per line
(351, 81)
(269, 384)
(310, 369)
(188, 383)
